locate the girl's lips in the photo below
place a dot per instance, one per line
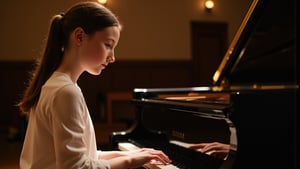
(104, 66)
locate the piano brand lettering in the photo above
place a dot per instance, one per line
(178, 134)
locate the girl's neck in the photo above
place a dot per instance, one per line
(71, 67)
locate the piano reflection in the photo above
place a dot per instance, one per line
(251, 106)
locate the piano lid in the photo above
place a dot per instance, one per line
(263, 51)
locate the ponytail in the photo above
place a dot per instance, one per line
(49, 62)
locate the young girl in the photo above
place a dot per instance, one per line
(60, 133)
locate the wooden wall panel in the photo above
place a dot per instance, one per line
(120, 76)
(13, 77)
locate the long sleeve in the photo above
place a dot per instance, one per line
(72, 131)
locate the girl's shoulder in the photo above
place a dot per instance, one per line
(61, 84)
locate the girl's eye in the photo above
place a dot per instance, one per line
(108, 46)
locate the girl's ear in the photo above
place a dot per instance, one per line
(77, 35)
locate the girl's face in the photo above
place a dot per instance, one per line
(97, 50)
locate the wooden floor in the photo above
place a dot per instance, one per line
(9, 152)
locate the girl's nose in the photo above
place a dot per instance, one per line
(111, 59)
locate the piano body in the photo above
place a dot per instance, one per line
(252, 105)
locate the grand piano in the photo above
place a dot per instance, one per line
(251, 106)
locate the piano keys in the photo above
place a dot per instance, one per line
(178, 163)
(125, 146)
(251, 106)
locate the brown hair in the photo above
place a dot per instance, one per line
(91, 17)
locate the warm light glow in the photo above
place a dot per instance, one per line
(209, 4)
(102, 1)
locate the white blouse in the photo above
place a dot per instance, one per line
(60, 133)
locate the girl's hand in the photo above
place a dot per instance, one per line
(216, 149)
(146, 155)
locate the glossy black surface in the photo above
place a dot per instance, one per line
(258, 118)
(266, 51)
